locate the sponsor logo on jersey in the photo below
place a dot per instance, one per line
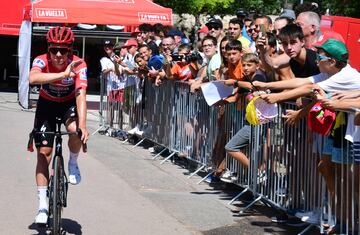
(83, 74)
(38, 63)
(67, 81)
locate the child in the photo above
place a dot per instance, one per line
(250, 65)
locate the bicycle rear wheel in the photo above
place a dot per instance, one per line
(56, 206)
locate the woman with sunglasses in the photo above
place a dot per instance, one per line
(63, 81)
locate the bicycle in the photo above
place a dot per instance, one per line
(58, 182)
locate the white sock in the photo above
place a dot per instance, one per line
(42, 191)
(73, 158)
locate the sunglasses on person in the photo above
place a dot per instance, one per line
(210, 27)
(55, 50)
(322, 57)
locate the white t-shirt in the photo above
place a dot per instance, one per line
(347, 79)
(214, 64)
(113, 82)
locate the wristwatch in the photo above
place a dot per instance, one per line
(236, 83)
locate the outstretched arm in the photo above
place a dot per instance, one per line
(38, 77)
(290, 94)
(281, 85)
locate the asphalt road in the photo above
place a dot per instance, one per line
(123, 191)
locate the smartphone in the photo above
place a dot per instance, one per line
(262, 32)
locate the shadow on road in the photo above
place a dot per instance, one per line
(68, 227)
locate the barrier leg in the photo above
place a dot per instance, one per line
(195, 172)
(212, 172)
(138, 143)
(237, 196)
(163, 161)
(250, 205)
(307, 229)
(97, 130)
(157, 155)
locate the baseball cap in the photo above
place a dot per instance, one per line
(241, 13)
(320, 119)
(288, 14)
(130, 42)
(108, 43)
(327, 35)
(214, 22)
(335, 49)
(203, 29)
(175, 32)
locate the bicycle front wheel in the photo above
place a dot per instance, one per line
(56, 203)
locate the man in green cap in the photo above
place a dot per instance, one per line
(336, 76)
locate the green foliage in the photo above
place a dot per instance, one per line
(349, 8)
(221, 7)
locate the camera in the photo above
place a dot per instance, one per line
(192, 57)
(177, 57)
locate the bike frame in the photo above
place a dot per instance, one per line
(58, 183)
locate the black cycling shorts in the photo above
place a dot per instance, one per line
(45, 119)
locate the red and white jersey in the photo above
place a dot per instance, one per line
(62, 90)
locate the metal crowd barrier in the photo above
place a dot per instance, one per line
(183, 123)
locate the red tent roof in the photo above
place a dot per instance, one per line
(11, 14)
(117, 12)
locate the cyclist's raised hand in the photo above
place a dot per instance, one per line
(70, 69)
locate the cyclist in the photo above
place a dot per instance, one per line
(63, 81)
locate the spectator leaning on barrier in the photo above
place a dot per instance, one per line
(181, 69)
(212, 71)
(336, 75)
(109, 67)
(250, 64)
(302, 60)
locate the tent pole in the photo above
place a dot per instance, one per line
(83, 47)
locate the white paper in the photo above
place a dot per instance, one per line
(215, 91)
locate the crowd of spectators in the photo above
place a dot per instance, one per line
(289, 55)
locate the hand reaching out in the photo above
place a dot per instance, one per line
(69, 71)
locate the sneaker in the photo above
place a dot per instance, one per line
(74, 174)
(212, 179)
(282, 192)
(228, 177)
(152, 150)
(281, 218)
(312, 217)
(134, 130)
(42, 216)
(261, 177)
(139, 133)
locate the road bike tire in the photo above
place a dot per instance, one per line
(56, 200)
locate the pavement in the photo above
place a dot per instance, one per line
(123, 190)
